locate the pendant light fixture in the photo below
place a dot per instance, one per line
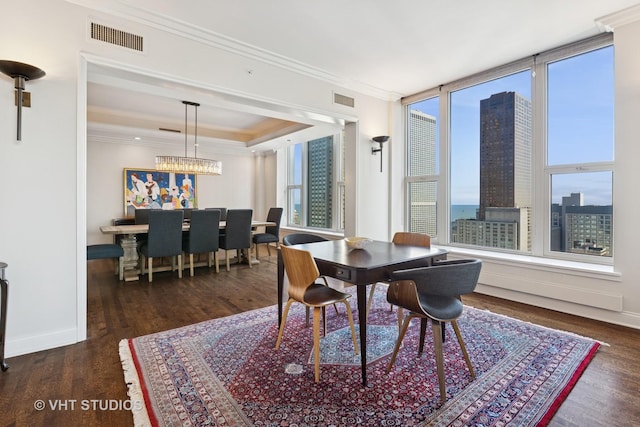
(189, 164)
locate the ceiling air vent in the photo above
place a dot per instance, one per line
(343, 100)
(117, 37)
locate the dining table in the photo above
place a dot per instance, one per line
(361, 267)
(129, 242)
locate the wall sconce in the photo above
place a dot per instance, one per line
(380, 140)
(20, 73)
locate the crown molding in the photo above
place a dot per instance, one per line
(620, 18)
(183, 29)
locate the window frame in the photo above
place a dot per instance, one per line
(337, 184)
(542, 172)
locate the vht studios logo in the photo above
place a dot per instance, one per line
(87, 405)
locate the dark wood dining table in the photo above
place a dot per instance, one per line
(362, 267)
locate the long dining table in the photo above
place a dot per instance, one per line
(362, 267)
(129, 242)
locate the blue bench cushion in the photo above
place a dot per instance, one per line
(107, 250)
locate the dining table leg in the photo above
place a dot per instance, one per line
(280, 285)
(129, 244)
(362, 322)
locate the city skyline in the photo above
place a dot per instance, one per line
(580, 125)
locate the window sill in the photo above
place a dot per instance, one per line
(328, 233)
(605, 272)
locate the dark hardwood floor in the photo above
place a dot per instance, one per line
(606, 394)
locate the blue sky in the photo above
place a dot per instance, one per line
(580, 125)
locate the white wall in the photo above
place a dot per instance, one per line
(234, 189)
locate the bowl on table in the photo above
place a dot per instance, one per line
(357, 242)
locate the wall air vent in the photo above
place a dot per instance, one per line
(116, 37)
(343, 100)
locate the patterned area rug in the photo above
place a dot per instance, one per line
(225, 372)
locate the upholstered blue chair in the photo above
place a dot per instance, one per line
(203, 236)
(237, 233)
(434, 293)
(106, 251)
(223, 213)
(271, 233)
(163, 240)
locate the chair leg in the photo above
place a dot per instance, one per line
(400, 318)
(180, 266)
(437, 344)
(316, 342)
(268, 250)
(226, 255)
(285, 313)
(371, 292)
(150, 262)
(215, 259)
(324, 321)
(456, 328)
(191, 264)
(249, 256)
(423, 331)
(353, 329)
(403, 331)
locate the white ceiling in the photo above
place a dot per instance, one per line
(383, 48)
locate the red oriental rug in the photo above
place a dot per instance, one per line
(225, 372)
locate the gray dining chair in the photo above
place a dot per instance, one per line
(434, 293)
(203, 236)
(237, 234)
(301, 238)
(223, 213)
(163, 240)
(106, 251)
(271, 233)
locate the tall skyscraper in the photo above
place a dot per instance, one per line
(503, 219)
(422, 162)
(505, 152)
(319, 182)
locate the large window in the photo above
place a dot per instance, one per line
(315, 187)
(539, 129)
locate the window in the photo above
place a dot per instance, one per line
(537, 129)
(315, 188)
(422, 166)
(580, 152)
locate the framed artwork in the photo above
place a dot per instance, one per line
(152, 189)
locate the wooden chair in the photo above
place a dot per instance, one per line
(203, 237)
(302, 271)
(164, 239)
(271, 233)
(434, 293)
(403, 238)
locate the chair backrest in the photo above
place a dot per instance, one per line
(300, 238)
(165, 233)
(413, 239)
(204, 230)
(223, 213)
(238, 229)
(274, 215)
(301, 269)
(187, 212)
(445, 278)
(142, 216)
